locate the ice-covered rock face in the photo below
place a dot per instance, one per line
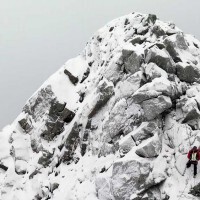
(114, 123)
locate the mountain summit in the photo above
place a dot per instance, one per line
(114, 123)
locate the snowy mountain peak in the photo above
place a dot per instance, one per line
(114, 123)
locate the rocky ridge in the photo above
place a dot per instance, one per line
(114, 123)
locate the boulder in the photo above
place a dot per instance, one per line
(161, 58)
(67, 115)
(153, 107)
(187, 109)
(158, 86)
(188, 72)
(153, 71)
(121, 116)
(133, 176)
(144, 131)
(71, 77)
(104, 92)
(140, 96)
(132, 60)
(178, 136)
(174, 44)
(56, 108)
(150, 148)
(125, 88)
(151, 18)
(137, 40)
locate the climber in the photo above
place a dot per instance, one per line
(193, 156)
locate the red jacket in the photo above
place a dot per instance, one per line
(193, 151)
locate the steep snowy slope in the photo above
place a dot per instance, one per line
(114, 123)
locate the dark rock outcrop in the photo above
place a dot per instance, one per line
(72, 78)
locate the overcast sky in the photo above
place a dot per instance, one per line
(38, 36)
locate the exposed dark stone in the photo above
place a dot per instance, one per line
(126, 22)
(85, 75)
(35, 146)
(151, 18)
(158, 31)
(137, 40)
(72, 78)
(82, 95)
(53, 187)
(195, 191)
(53, 129)
(132, 61)
(67, 115)
(104, 91)
(188, 72)
(85, 137)
(111, 29)
(3, 167)
(39, 102)
(25, 125)
(38, 197)
(71, 143)
(34, 173)
(154, 107)
(161, 58)
(55, 109)
(174, 44)
(45, 159)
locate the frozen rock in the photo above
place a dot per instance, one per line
(121, 116)
(133, 176)
(174, 44)
(72, 78)
(158, 86)
(153, 107)
(46, 158)
(153, 71)
(127, 87)
(126, 143)
(39, 103)
(53, 129)
(188, 72)
(144, 131)
(132, 60)
(25, 124)
(161, 58)
(71, 143)
(187, 109)
(150, 148)
(140, 96)
(178, 136)
(104, 92)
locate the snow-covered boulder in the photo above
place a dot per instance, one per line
(161, 58)
(155, 106)
(151, 148)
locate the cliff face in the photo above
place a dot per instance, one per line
(114, 123)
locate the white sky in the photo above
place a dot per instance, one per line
(38, 36)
